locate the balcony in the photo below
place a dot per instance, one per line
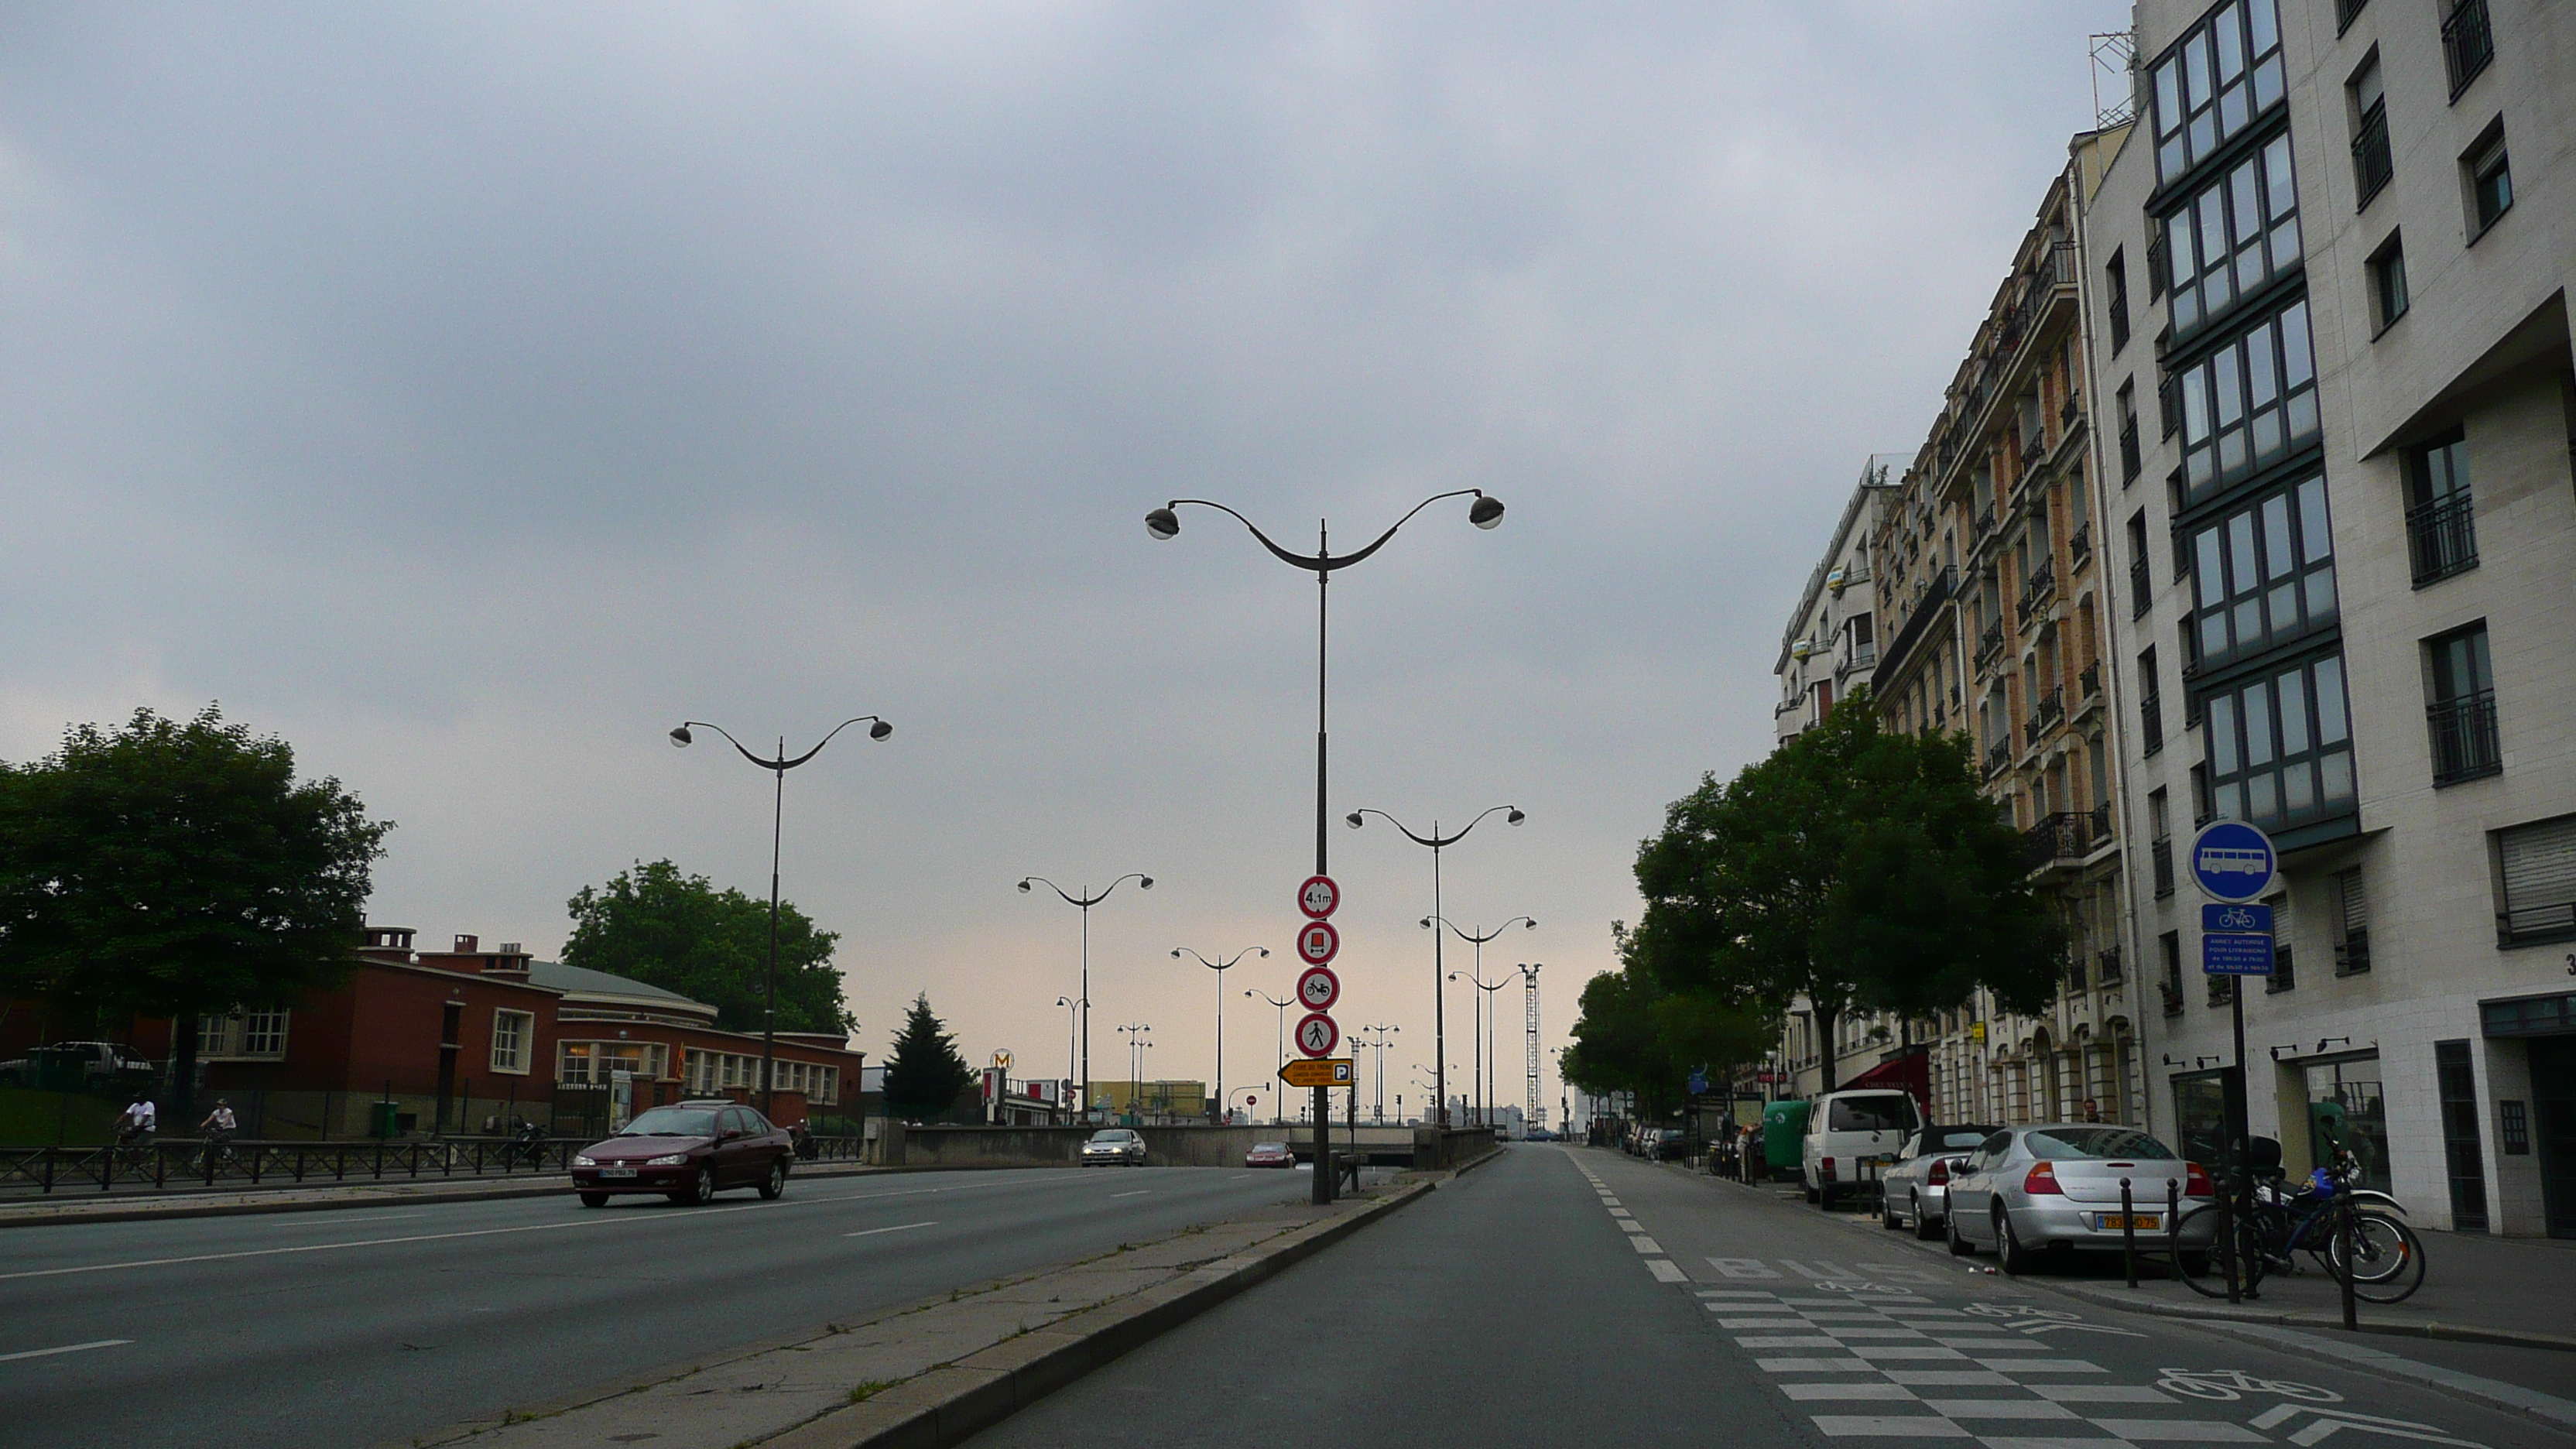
(2099, 819)
(2442, 537)
(2056, 839)
(2079, 548)
(1926, 609)
(2171, 991)
(2052, 709)
(2464, 738)
(2468, 43)
(2151, 719)
(2160, 855)
(2129, 463)
(1990, 640)
(2106, 967)
(1985, 524)
(2352, 953)
(2041, 587)
(2142, 594)
(2088, 681)
(2372, 163)
(2077, 978)
(1998, 757)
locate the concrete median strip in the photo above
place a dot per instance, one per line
(937, 1371)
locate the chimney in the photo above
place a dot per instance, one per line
(465, 945)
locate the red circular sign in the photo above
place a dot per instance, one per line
(1318, 897)
(1318, 943)
(1317, 1035)
(1319, 988)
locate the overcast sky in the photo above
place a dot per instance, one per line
(469, 393)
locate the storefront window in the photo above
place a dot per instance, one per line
(2200, 1116)
(2345, 1109)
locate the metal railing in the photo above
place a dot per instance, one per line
(2160, 856)
(2038, 589)
(2129, 461)
(2057, 837)
(2171, 991)
(1998, 757)
(2468, 43)
(2088, 680)
(2352, 953)
(2151, 722)
(2372, 162)
(2464, 738)
(2442, 537)
(2106, 966)
(1990, 639)
(2052, 707)
(2099, 817)
(186, 1162)
(2141, 589)
(2079, 547)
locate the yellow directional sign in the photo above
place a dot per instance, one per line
(1319, 1072)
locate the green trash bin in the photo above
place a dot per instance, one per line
(384, 1120)
(1784, 1137)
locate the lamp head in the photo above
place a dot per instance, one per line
(1264, 950)
(1516, 817)
(1176, 955)
(880, 730)
(680, 738)
(1426, 923)
(1162, 525)
(1354, 819)
(1024, 887)
(1486, 511)
(1144, 882)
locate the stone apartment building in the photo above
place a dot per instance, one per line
(1831, 642)
(2326, 279)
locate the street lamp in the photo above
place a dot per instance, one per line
(1478, 941)
(1278, 1101)
(1438, 842)
(1086, 902)
(1164, 524)
(1377, 1112)
(778, 767)
(1136, 1045)
(1072, 1010)
(1529, 978)
(1220, 968)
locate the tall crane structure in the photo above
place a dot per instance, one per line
(1529, 1002)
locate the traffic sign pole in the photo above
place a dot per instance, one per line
(2234, 863)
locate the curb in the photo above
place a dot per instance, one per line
(948, 1405)
(2453, 1332)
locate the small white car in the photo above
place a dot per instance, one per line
(1113, 1147)
(1917, 1189)
(1846, 1128)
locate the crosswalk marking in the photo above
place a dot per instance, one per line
(2185, 1431)
(1887, 1426)
(1666, 1270)
(1828, 1393)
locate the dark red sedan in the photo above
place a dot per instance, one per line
(688, 1152)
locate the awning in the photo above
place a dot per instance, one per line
(1912, 1071)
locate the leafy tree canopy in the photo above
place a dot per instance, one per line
(924, 1073)
(1852, 866)
(1634, 1036)
(177, 869)
(680, 933)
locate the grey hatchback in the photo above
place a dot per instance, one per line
(2058, 1186)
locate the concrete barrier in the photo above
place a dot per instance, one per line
(1421, 1148)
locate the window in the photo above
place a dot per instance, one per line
(2387, 283)
(2352, 924)
(596, 1063)
(2222, 989)
(2441, 525)
(2537, 870)
(258, 1035)
(2232, 236)
(512, 1032)
(2285, 976)
(2127, 400)
(2462, 713)
(2160, 828)
(2169, 951)
(2468, 43)
(2280, 748)
(2372, 160)
(2264, 574)
(2457, 1080)
(2225, 72)
(2249, 404)
(2345, 10)
(2490, 180)
(2116, 279)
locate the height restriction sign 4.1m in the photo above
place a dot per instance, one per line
(1317, 1035)
(1318, 897)
(1318, 943)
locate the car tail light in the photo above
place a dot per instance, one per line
(2196, 1183)
(1939, 1176)
(1825, 1169)
(2042, 1179)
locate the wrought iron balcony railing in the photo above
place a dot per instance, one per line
(2464, 738)
(2468, 43)
(2442, 537)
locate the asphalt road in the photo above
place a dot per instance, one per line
(1573, 1296)
(350, 1328)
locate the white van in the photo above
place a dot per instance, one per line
(1845, 1128)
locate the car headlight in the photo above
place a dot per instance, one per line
(668, 1159)
(584, 1160)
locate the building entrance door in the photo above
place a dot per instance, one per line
(2553, 1101)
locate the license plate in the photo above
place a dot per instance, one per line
(2143, 1222)
(617, 1172)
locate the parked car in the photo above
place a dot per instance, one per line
(1114, 1146)
(2029, 1189)
(99, 1063)
(1847, 1128)
(1917, 1189)
(1270, 1154)
(689, 1152)
(1670, 1145)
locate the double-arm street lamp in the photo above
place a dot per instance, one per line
(777, 766)
(1137, 1046)
(1278, 1101)
(1380, 1033)
(1164, 523)
(1437, 842)
(1478, 941)
(1220, 966)
(1083, 1004)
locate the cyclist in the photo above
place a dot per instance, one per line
(135, 1126)
(218, 1129)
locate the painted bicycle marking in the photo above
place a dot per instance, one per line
(2229, 1385)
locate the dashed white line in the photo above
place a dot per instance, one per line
(897, 1228)
(66, 1348)
(1140, 1192)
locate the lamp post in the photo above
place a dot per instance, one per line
(1529, 1064)
(1164, 524)
(1220, 968)
(1136, 1045)
(777, 766)
(1437, 842)
(1434, 922)
(1072, 1010)
(1086, 901)
(1377, 1111)
(1278, 1100)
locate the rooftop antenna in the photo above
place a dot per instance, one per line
(2115, 58)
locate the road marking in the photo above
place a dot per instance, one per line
(1644, 1244)
(1140, 1192)
(897, 1228)
(1629, 1225)
(2329, 1421)
(66, 1348)
(1907, 1426)
(324, 1220)
(1666, 1270)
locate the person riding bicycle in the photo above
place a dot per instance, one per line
(219, 1126)
(135, 1126)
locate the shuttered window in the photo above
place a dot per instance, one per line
(2352, 924)
(2539, 875)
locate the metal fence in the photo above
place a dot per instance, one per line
(192, 1163)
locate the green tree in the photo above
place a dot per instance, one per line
(924, 1073)
(178, 869)
(1633, 1035)
(680, 933)
(1854, 867)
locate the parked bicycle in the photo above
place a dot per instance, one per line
(2273, 1224)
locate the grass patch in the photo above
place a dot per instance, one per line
(866, 1389)
(29, 1118)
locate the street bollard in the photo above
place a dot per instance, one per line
(2227, 1242)
(2344, 1231)
(2128, 1233)
(2173, 1227)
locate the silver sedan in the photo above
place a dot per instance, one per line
(1917, 1189)
(1114, 1146)
(2027, 1189)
